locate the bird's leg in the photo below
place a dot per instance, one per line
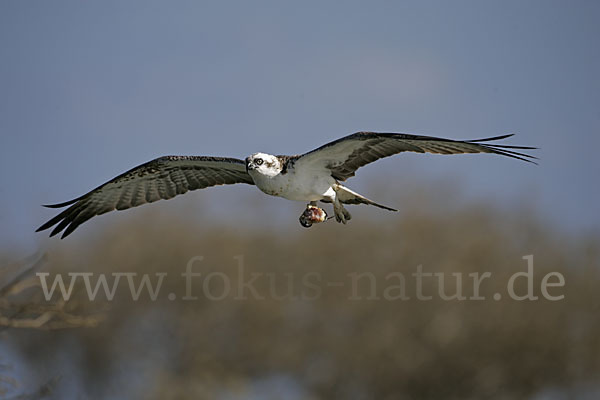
(347, 214)
(341, 214)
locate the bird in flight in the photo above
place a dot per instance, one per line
(313, 176)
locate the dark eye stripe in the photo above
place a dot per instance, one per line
(258, 161)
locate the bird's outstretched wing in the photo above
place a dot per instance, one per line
(344, 156)
(162, 178)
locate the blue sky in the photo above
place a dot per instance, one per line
(90, 89)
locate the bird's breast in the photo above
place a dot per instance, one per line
(294, 186)
(271, 185)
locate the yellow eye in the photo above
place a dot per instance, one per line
(258, 161)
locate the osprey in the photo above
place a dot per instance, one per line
(313, 176)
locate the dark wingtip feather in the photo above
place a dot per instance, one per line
(504, 146)
(50, 223)
(63, 220)
(491, 138)
(75, 221)
(60, 205)
(72, 226)
(513, 154)
(60, 226)
(501, 148)
(501, 145)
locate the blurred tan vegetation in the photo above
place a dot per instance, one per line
(328, 347)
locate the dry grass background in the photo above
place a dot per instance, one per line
(329, 347)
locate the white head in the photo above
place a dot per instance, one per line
(263, 164)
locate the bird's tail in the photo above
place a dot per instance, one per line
(348, 196)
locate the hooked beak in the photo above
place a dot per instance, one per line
(250, 167)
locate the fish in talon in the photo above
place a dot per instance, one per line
(312, 215)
